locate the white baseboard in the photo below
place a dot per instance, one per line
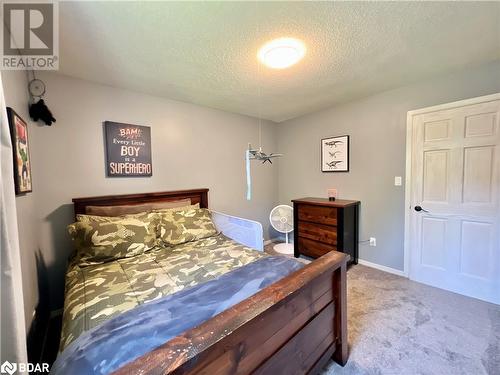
(382, 268)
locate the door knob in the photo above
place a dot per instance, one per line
(418, 209)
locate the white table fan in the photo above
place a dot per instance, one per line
(281, 218)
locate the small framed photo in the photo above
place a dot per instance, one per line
(335, 154)
(21, 152)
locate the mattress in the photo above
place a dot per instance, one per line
(97, 293)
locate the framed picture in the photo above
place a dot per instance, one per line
(335, 154)
(128, 150)
(21, 152)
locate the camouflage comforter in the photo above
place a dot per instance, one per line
(97, 293)
(148, 326)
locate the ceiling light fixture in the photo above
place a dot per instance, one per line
(281, 53)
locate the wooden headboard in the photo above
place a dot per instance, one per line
(196, 195)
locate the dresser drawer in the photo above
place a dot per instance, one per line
(313, 248)
(318, 214)
(318, 232)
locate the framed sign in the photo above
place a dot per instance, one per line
(335, 154)
(128, 150)
(21, 152)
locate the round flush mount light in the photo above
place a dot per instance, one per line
(281, 53)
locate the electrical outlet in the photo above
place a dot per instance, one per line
(373, 241)
(398, 181)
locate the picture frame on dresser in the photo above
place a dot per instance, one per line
(335, 154)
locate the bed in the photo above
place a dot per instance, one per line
(293, 323)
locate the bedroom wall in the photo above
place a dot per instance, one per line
(192, 147)
(16, 96)
(377, 129)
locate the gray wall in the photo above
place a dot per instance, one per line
(16, 96)
(191, 147)
(377, 127)
(201, 147)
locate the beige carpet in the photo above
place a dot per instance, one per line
(397, 326)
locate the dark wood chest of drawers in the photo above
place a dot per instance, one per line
(321, 226)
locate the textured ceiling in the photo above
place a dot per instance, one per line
(205, 52)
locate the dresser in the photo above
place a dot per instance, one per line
(321, 225)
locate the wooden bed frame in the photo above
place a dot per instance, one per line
(293, 326)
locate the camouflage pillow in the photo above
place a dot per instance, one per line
(183, 208)
(102, 239)
(178, 227)
(103, 219)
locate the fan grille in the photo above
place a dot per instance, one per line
(281, 218)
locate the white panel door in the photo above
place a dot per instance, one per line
(455, 214)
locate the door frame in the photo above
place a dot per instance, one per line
(408, 172)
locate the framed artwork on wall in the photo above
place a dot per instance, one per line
(128, 150)
(21, 152)
(335, 154)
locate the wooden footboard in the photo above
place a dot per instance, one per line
(291, 327)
